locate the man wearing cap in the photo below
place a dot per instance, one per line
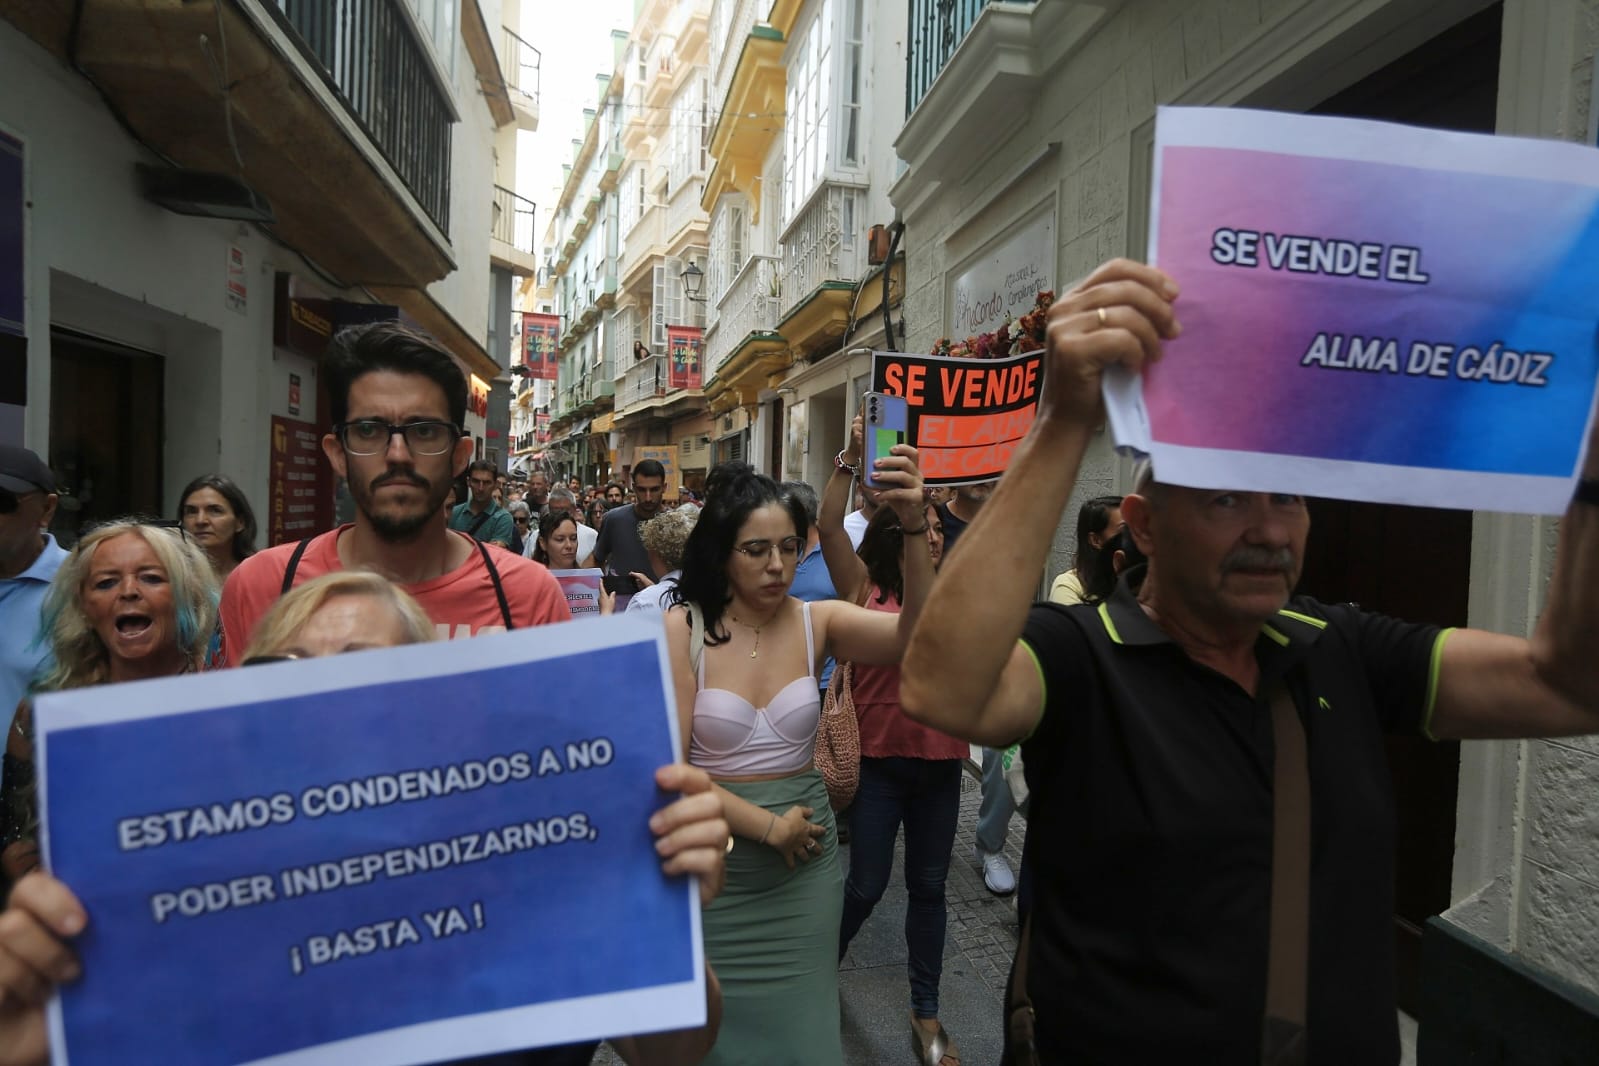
(29, 558)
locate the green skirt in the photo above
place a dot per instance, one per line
(772, 937)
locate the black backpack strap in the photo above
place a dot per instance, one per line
(294, 564)
(472, 531)
(494, 576)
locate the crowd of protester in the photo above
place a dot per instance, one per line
(899, 614)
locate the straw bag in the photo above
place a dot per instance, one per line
(838, 741)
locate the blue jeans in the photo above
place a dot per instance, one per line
(993, 814)
(924, 794)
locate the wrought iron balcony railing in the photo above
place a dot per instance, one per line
(369, 54)
(522, 62)
(513, 219)
(936, 29)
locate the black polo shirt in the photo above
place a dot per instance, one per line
(1150, 832)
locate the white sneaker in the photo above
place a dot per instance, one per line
(997, 873)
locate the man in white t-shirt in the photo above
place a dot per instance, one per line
(856, 521)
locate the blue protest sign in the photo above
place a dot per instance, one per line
(388, 857)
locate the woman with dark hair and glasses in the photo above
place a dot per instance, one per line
(910, 774)
(346, 611)
(214, 513)
(745, 655)
(131, 601)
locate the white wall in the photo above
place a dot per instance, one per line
(885, 104)
(465, 292)
(1526, 874)
(102, 260)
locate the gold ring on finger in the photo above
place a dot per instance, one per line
(1102, 321)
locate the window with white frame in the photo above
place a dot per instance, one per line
(729, 244)
(852, 84)
(706, 124)
(717, 275)
(807, 126)
(670, 307)
(688, 132)
(737, 238)
(628, 209)
(662, 289)
(721, 19)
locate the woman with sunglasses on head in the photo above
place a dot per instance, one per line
(347, 611)
(131, 601)
(745, 656)
(910, 774)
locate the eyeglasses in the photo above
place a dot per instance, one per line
(788, 549)
(371, 436)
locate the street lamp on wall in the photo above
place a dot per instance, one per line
(693, 283)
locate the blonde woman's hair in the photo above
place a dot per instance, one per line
(80, 657)
(667, 533)
(278, 626)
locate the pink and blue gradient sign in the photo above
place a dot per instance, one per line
(1371, 311)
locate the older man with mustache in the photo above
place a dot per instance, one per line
(398, 402)
(1212, 824)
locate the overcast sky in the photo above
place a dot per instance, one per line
(574, 40)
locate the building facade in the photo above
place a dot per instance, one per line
(628, 240)
(1027, 149)
(204, 193)
(801, 266)
(659, 320)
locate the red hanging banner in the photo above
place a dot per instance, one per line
(541, 338)
(684, 345)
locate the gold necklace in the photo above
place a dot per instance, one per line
(757, 649)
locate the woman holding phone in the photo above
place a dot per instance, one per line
(910, 774)
(745, 656)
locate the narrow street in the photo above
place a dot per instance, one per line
(977, 956)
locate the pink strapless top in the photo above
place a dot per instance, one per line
(732, 737)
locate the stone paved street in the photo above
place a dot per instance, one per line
(977, 956)
(872, 981)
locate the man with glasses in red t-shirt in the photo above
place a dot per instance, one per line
(398, 402)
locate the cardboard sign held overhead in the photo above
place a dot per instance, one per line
(966, 415)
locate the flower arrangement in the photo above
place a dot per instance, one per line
(1020, 335)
